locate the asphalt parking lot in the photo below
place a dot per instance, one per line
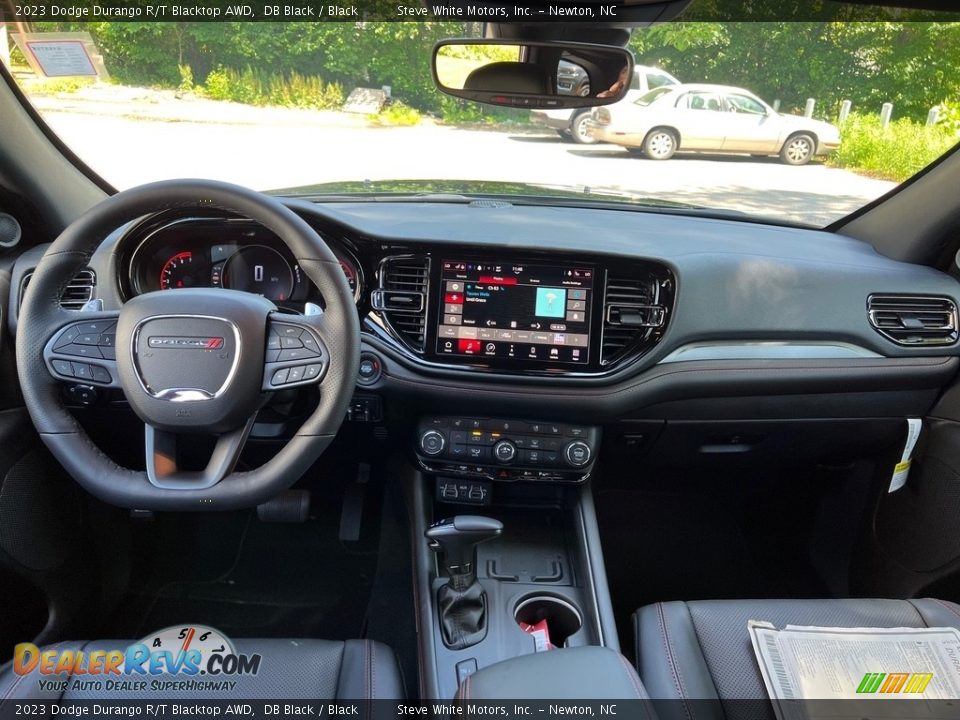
(268, 148)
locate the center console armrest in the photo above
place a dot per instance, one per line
(579, 673)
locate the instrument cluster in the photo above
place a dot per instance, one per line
(227, 253)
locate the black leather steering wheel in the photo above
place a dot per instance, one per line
(189, 361)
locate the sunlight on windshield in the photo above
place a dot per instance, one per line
(802, 122)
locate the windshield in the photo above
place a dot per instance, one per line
(849, 110)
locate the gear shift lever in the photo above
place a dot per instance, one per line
(461, 602)
(457, 538)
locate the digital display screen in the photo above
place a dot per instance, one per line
(515, 311)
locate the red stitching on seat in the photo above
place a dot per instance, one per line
(674, 669)
(366, 679)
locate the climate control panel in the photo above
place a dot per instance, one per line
(500, 449)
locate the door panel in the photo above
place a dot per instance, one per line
(749, 128)
(700, 120)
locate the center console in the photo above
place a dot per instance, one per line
(519, 576)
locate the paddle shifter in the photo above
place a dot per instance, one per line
(462, 604)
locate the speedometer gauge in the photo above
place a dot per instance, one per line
(259, 269)
(177, 272)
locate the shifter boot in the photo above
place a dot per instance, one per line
(462, 604)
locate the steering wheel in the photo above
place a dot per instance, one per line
(189, 361)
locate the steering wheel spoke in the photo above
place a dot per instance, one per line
(163, 469)
(296, 354)
(84, 351)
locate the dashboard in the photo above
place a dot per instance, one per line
(532, 313)
(545, 311)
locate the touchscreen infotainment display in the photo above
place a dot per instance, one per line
(520, 311)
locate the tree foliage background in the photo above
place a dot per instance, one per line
(914, 65)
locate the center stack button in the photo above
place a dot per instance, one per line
(432, 443)
(504, 451)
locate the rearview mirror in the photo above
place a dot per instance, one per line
(532, 74)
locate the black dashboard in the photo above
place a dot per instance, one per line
(606, 313)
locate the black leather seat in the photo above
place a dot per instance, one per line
(689, 651)
(289, 669)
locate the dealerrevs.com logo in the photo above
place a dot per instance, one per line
(193, 657)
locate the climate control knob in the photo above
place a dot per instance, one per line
(577, 454)
(504, 451)
(432, 443)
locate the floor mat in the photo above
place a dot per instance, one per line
(676, 546)
(248, 578)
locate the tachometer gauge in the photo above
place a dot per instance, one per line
(177, 272)
(351, 275)
(261, 270)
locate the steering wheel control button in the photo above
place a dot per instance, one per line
(309, 342)
(101, 374)
(96, 327)
(294, 354)
(82, 371)
(577, 453)
(87, 351)
(66, 337)
(280, 377)
(63, 367)
(296, 374)
(432, 443)
(290, 342)
(273, 341)
(311, 372)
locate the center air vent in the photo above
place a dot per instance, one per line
(913, 320)
(402, 298)
(78, 292)
(635, 311)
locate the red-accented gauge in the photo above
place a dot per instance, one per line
(351, 274)
(178, 272)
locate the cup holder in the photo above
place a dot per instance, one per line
(563, 619)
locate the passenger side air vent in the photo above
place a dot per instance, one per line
(634, 311)
(913, 320)
(402, 298)
(78, 292)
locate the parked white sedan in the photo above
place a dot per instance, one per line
(572, 124)
(715, 118)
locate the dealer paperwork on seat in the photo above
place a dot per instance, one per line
(900, 666)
